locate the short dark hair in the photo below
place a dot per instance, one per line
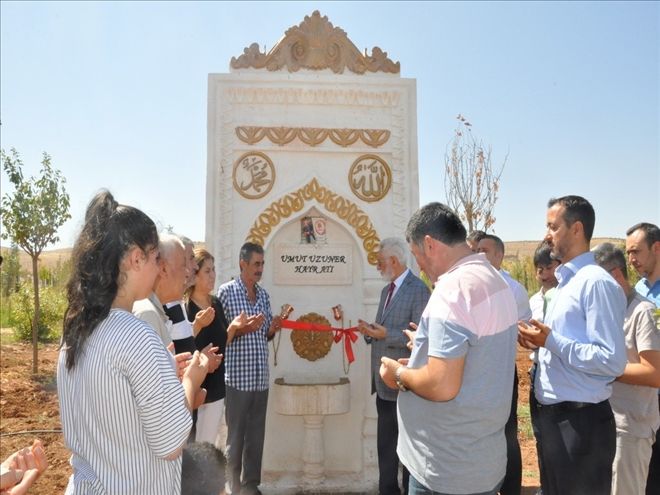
(202, 469)
(577, 209)
(610, 257)
(248, 249)
(651, 232)
(543, 255)
(475, 236)
(496, 240)
(438, 221)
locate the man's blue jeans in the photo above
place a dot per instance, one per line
(416, 488)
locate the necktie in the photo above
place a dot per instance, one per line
(390, 291)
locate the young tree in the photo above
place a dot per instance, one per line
(32, 216)
(11, 271)
(471, 182)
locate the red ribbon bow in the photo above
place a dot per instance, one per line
(349, 336)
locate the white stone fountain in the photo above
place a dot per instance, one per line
(313, 133)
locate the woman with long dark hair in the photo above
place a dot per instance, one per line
(125, 415)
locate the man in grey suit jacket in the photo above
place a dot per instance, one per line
(402, 302)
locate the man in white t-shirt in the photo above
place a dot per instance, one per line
(493, 247)
(544, 266)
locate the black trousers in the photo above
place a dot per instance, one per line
(653, 481)
(577, 444)
(386, 440)
(513, 477)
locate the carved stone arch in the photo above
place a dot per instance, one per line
(332, 202)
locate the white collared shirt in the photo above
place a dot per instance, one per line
(399, 281)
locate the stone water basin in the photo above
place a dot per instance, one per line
(294, 398)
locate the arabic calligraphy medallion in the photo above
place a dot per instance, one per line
(254, 175)
(370, 178)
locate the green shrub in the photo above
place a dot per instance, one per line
(52, 306)
(5, 311)
(524, 272)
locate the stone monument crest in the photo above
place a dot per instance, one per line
(315, 44)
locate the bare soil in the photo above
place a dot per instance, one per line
(29, 404)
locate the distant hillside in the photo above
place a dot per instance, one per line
(51, 258)
(514, 249)
(522, 249)
(48, 259)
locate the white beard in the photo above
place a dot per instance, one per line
(387, 275)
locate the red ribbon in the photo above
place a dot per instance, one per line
(348, 334)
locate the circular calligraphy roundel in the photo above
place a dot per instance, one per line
(254, 175)
(370, 178)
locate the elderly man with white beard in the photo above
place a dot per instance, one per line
(402, 302)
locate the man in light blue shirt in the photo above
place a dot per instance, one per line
(643, 250)
(581, 351)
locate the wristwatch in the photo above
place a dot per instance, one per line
(397, 379)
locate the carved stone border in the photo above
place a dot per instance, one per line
(313, 136)
(223, 190)
(401, 208)
(334, 203)
(312, 96)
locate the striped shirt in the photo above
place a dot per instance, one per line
(458, 446)
(246, 358)
(123, 411)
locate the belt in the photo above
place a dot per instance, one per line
(567, 406)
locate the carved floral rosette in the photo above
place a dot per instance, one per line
(312, 345)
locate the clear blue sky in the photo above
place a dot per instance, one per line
(116, 93)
